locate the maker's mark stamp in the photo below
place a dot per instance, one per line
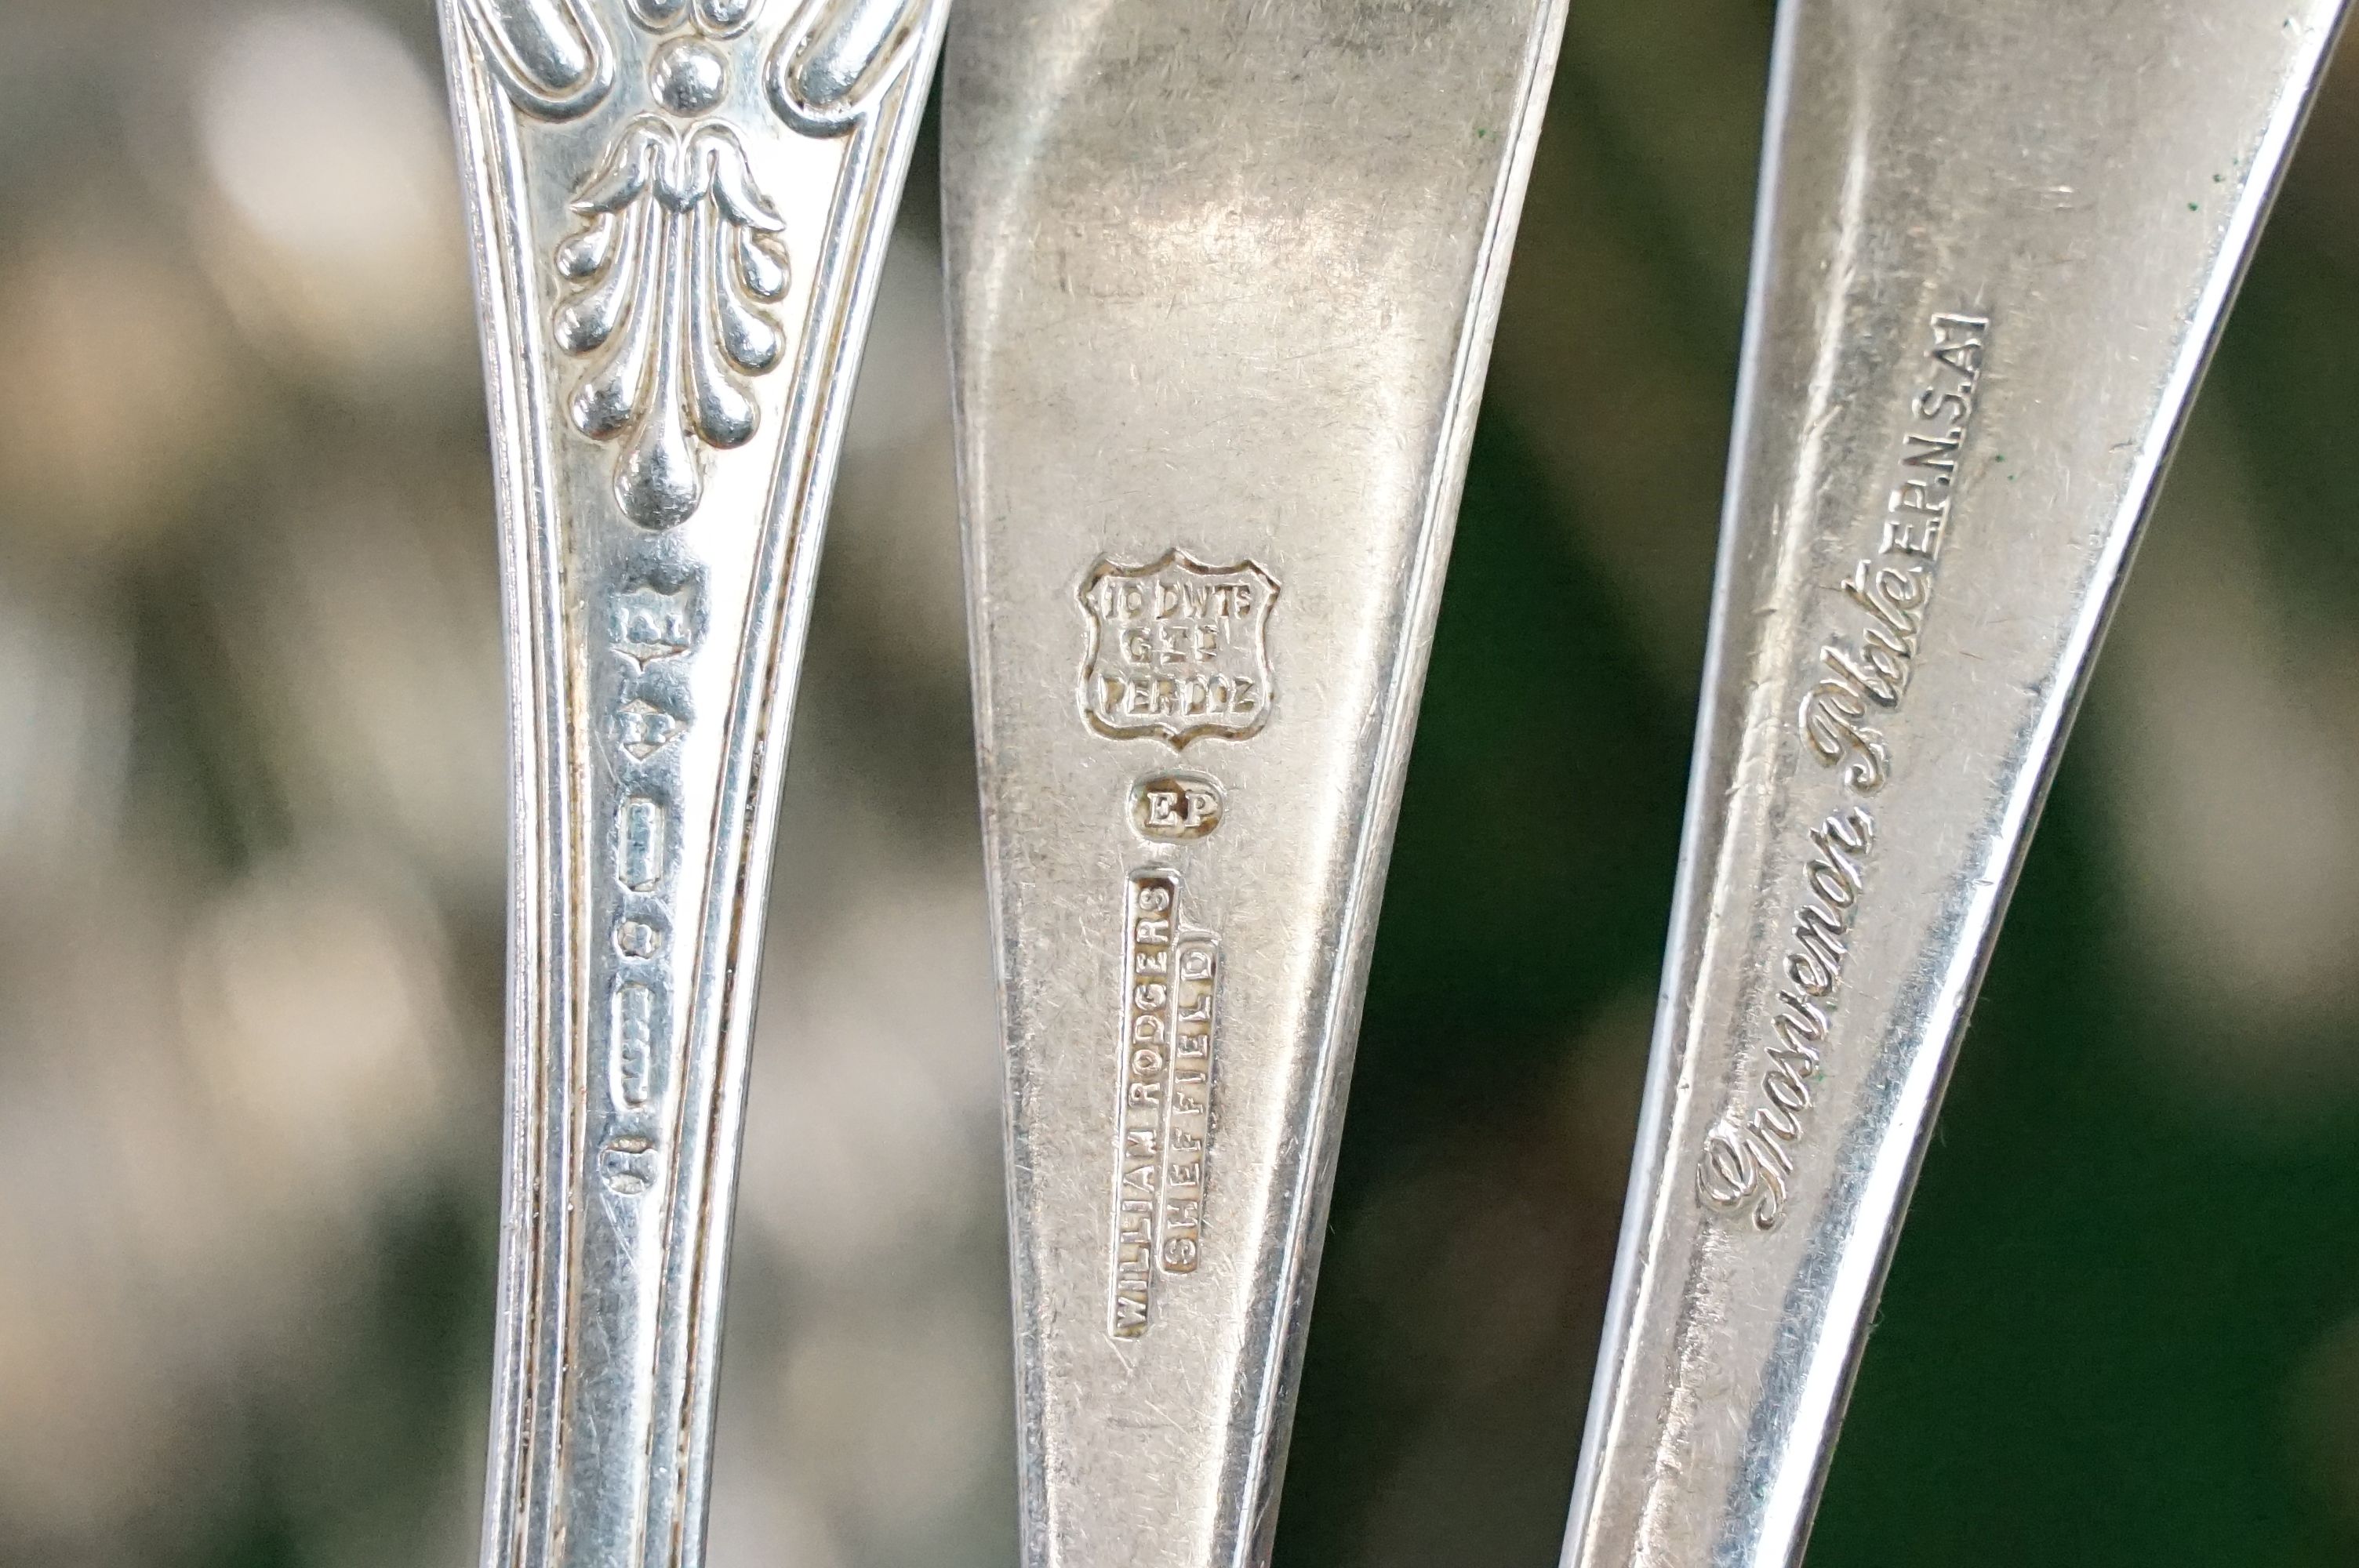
(1163, 1133)
(1174, 808)
(1178, 649)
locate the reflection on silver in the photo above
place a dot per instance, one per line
(675, 269)
(1223, 280)
(1995, 243)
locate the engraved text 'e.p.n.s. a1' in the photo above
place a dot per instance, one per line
(1749, 1158)
(1959, 390)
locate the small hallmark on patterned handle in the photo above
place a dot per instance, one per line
(651, 627)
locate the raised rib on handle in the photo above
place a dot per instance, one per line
(674, 267)
(1995, 245)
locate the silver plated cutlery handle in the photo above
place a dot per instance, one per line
(679, 209)
(1995, 245)
(1223, 275)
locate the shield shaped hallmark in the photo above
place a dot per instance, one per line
(1176, 649)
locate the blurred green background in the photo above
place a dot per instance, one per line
(250, 833)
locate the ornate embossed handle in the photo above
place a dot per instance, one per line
(679, 210)
(825, 68)
(550, 55)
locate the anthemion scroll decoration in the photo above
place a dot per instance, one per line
(679, 254)
(680, 209)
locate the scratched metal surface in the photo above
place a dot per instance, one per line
(251, 827)
(1995, 252)
(680, 210)
(1223, 282)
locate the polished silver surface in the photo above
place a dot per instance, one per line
(678, 209)
(1223, 282)
(1996, 242)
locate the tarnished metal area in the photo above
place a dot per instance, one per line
(1223, 282)
(1995, 243)
(678, 209)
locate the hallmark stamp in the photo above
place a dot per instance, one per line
(646, 623)
(1163, 1134)
(643, 728)
(637, 938)
(1188, 1113)
(652, 623)
(626, 1163)
(1172, 808)
(638, 1031)
(1176, 649)
(642, 836)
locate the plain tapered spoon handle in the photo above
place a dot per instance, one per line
(678, 209)
(1223, 275)
(1995, 245)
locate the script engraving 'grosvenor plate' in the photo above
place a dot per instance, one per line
(1750, 1157)
(1957, 394)
(1176, 649)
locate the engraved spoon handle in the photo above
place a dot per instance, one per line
(1223, 277)
(678, 208)
(1995, 243)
